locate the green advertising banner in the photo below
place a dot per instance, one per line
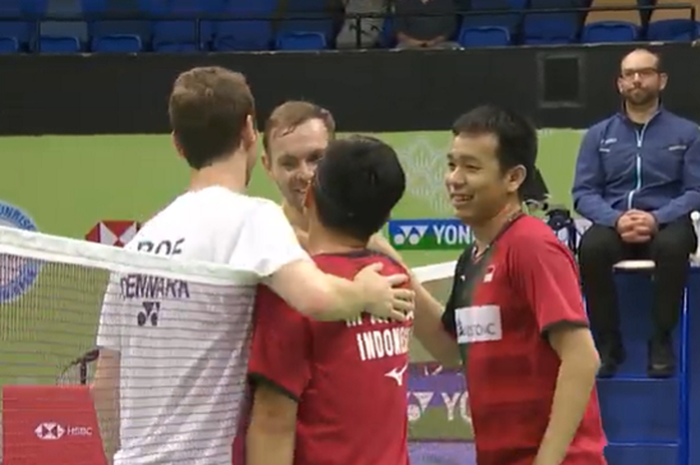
(67, 185)
(100, 187)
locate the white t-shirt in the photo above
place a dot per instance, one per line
(184, 345)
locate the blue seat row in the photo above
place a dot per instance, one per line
(594, 33)
(307, 25)
(21, 28)
(563, 27)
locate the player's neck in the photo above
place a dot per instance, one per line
(485, 233)
(295, 217)
(231, 174)
(641, 114)
(322, 240)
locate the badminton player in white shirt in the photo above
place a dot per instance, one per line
(170, 382)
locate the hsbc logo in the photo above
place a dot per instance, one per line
(51, 431)
(113, 232)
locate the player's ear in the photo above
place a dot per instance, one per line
(267, 161)
(249, 137)
(515, 178)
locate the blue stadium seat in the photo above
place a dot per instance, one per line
(117, 44)
(672, 30)
(48, 44)
(508, 21)
(609, 31)
(11, 30)
(245, 34)
(485, 36)
(126, 33)
(307, 16)
(551, 28)
(301, 41)
(181, 35)
(33, 8)
(8, 45)
(60, 34)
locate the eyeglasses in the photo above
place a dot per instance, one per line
(642, 72)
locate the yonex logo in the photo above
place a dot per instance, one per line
(412, 234)
(429, 234)
(49, 431)
(149, 313)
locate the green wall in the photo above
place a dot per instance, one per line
(68, 184)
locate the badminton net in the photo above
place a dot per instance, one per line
(52, 292)
(182, 340)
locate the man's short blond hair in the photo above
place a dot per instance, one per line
(292, 114)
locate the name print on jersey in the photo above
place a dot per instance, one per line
(379, 343)
(154, 289)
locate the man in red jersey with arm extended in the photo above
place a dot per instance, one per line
(516, 308)
(334, 393)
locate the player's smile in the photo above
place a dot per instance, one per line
(299, 189)
(461, 200)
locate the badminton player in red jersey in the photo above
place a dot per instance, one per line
(516, 308)
(334, 392)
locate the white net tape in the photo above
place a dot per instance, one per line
(52, 293)
(19, 243)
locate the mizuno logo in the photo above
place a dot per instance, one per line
(397, 374)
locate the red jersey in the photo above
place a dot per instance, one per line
(349, 377)
(499, 310)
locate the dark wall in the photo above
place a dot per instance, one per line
(367, 91)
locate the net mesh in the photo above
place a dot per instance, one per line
(60, 298)
(52, 293)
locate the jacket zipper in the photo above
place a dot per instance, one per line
(639, 134)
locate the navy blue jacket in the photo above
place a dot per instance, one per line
(654, 168)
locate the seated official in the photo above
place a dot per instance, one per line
(637, 180)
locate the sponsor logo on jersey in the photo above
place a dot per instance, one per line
(397, 374)
(429, 234)
(113, 232)
(478, 324)
(17, 274)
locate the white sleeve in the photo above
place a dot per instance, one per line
(267, 242)
(109, 329)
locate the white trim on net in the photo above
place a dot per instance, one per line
(56, 249)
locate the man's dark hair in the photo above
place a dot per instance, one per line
(357, 184)
(208, 111)
(516, 135)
